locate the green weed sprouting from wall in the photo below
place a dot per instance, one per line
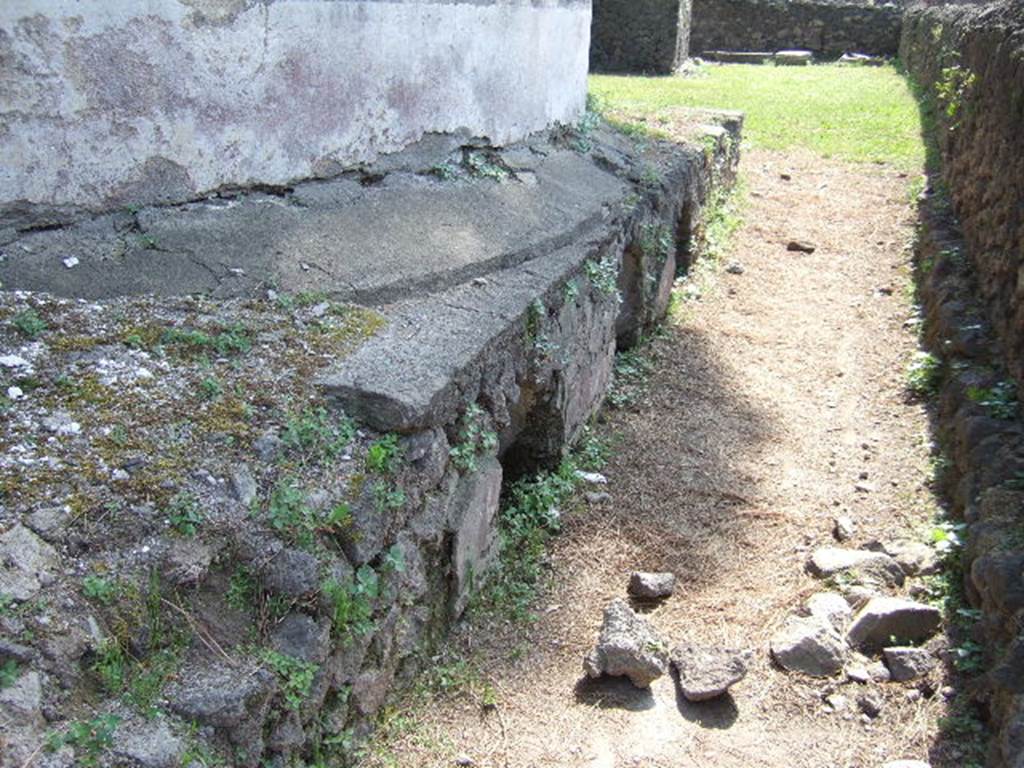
(953, 85)
(474, 439)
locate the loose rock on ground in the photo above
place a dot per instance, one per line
(627, 646)
(706, 673)
(809, 645)
(651, 586)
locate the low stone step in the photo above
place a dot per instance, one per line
(738, 57)
(793, 58)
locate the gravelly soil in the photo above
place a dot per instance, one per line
(770, 396)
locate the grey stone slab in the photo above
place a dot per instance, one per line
(414, 372)
(739, 57)
(793, 58)
(403, 235)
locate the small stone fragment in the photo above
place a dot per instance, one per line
(148, 744)
(914, 557)
(651, 586)
(23, 696)
(908, 663)
(61, 423)
(14, 361)
(243, 484)
(597, 497)
(48, 521)
(878, 672)
(735, 268)
(858, 673)
(830, 606)
(627, 646)
(870, 704)
(871, 567)
(800, 246)
(809, 645)
(27, 563)
(837, 702)
(706, 673)
(857, 596)
(594, 478)
(885, 618)
(844, 528)
(292, 573)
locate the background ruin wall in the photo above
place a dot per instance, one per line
(651, 36)
(113, 103)
(827, 28)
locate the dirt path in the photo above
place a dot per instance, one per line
(769, 399)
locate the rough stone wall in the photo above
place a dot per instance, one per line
(985, 444)
(320, 568)
(650, 36)
(113, 103)
(827, 28)
(971, 60)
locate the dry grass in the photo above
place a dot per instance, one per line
(767, 400)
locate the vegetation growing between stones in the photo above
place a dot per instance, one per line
(924, 375)
(317, 435)
(29, 324)
(89, 738)
(352, 603)
(474, 439)
(953, 84)
(531, 512)
(296, 676)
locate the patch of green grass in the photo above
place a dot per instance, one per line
(629, 376)
(485, 165)
(191, 341)
(184, 514)
(100, 589)
(603, 274)
(445, 171)
(387, 496)
(89, 738)
(720, 220)
(29, 324)
(963, 726)
(656, 241)
(382, 457)
(9, 673)
(318, 434)
(863, 114)
(924, 375)
(210, 388)
(241, 594)
(111, 666)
